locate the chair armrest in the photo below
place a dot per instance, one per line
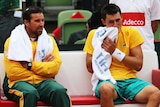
(156, 77)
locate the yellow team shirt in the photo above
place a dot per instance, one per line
(128, 38)
(40, 70)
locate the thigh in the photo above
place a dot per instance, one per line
(135, 87)
(48, 86)
(23, 86)
(145, 93)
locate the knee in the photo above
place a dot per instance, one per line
(106, 90)
(31, 93)
(61, 91)
(60, 98)
(156, 95)
(59, 94)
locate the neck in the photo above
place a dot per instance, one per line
(30, 34)
(33, 39)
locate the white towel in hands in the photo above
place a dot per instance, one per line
(101, 60)
(20, 48)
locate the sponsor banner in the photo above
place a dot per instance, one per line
(133, 19)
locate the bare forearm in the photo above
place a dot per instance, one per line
(133, 62)
(89, 63)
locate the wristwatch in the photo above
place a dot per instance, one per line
(29, 65)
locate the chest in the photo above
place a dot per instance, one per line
(133, 5)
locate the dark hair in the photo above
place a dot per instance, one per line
(109, 9)
(95, 21)
(30, 10)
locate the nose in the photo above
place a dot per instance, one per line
(41, 23)
(115, 24)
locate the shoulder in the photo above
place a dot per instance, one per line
(129, 29)
(53, 39)
(91, 32)
(131, 32)
(7, 41)
(6, 45)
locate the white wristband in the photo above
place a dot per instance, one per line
(119, 55)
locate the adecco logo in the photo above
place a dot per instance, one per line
(131, 22)
(133, 19)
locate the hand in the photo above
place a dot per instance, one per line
(109, 45)
(24, 64)
(48, 58)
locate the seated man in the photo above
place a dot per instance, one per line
(127, 60)
(32, 60)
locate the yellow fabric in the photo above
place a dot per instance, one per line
(128, 38)
(39, 71)
(20, 94)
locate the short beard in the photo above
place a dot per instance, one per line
(37, 35)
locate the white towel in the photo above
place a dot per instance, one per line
(20, 48)
(101, 60)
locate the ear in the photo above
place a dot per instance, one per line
(26, 22)
(103, 21)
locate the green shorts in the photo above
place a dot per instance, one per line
(128, 88)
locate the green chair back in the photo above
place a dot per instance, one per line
(70, 25)
(64, 16)
(80, 41)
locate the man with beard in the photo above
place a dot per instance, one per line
(32, 60)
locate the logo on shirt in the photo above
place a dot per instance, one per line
(101, 33)
(133, 19)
